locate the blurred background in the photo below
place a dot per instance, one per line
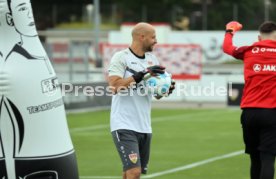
(200, 14)
(81, 36)
(197, 132)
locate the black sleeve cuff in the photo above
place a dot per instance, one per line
(229, 31)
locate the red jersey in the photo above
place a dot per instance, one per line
(259, 71)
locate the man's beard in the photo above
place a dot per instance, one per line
(148, 49)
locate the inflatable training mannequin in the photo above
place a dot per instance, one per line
(34, 138)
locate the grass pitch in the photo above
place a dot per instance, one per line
(186, 144)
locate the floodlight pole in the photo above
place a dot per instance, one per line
(235, 12)
(97, 30)
(266, 9)
(204, 14)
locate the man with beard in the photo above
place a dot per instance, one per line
(130, 113)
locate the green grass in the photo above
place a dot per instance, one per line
(233, 62)
(180, 137)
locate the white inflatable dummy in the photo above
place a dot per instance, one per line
(34, 138)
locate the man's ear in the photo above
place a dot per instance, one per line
(142, 37)
(259, 38)
(9, 19)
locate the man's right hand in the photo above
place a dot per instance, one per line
(233, 27)
(152, 70)
(138, 77)
(155, 70)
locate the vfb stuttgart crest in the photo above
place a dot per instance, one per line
(133, 157)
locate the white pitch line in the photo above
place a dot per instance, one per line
(174, 170)
(196, 164)
(154, 119)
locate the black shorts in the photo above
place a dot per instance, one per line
(259, 130)
(133, 148)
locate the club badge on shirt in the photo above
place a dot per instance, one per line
(133, 157)
(150, 63)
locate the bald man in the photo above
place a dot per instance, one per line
(131, 102)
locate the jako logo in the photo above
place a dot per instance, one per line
(257, 67)
(269, 68)
(255, 50)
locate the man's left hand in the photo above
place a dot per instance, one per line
(172, 87)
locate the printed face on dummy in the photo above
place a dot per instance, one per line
(22, 17)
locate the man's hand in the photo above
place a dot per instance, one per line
(233, 27)
(155, 70)
(138, 77)
(172, 87)
(151, 71)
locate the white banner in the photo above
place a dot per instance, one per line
(182, 61)
(209, 41)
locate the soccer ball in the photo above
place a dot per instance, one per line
(159, 85)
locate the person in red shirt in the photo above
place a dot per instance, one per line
(258, 102)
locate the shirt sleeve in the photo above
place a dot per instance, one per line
(230, 49)
(117, 66)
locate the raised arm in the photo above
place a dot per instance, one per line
(231, 28)
(228, 47)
